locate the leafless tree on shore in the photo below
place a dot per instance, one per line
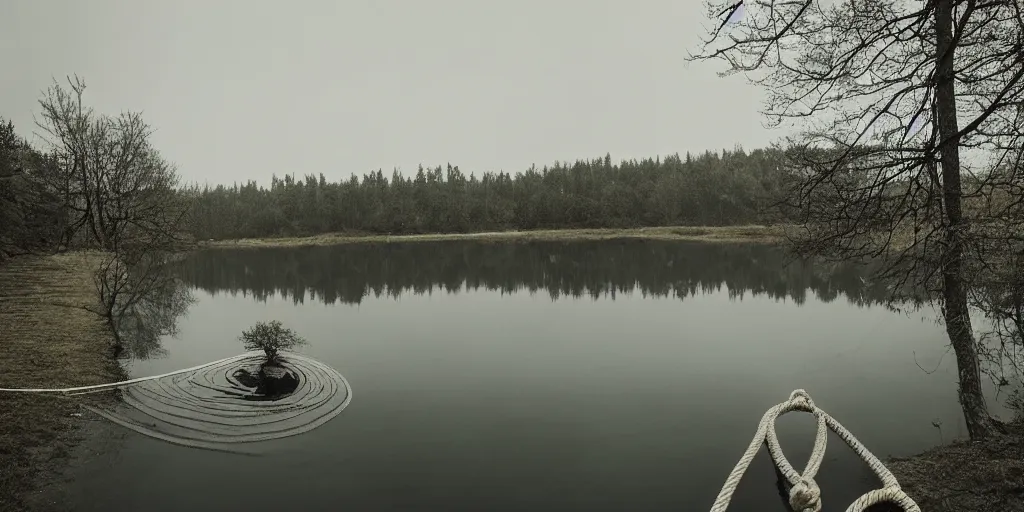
(911, 143)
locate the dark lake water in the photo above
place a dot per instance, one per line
(544, 376)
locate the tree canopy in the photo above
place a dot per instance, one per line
(729, 188)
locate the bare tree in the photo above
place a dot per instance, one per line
(113, 182)
(120, 193)
(905, 104)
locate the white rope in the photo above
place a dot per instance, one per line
(805, 496)
(113, 385)
(207, 407)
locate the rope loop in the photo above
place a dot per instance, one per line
(801, 399)
(804, 494)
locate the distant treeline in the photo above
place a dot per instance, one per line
(29, 210)
(68, 193)
(713, 189)
(351, 272)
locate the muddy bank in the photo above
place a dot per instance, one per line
(967, 476)
(49, 339)
(96, 445)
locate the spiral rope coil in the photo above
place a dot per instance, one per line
(208, 407)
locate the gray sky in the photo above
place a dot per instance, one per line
(240, 90)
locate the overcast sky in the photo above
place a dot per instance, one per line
(239, 90)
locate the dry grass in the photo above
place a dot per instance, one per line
(967, 476)
(682, 233)
(47, 340)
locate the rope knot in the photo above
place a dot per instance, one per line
(801, 396)
(805, 496)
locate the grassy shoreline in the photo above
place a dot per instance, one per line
(49, 340)
(750, 233)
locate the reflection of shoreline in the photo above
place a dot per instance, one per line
(348, 273)
(153, 314)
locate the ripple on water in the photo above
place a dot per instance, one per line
(211, 408)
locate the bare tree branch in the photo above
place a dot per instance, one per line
(899, 102)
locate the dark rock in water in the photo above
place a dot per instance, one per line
(276, 381)
(271, 381)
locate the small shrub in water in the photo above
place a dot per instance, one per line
(270, 337)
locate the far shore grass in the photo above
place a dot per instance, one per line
(48, 339)
(749, 233)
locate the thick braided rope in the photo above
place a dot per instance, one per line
(805, 496)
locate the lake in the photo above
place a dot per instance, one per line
(623, 375)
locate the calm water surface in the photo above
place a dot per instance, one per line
(579, 376)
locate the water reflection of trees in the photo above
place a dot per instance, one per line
(140, 329)
(999, 298)
(349, 273)
(141, 303)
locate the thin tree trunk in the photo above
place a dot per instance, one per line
(955, 311)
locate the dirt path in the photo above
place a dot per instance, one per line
(47, 339)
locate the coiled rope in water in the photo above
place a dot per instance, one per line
(207, 406)
(805, 496)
